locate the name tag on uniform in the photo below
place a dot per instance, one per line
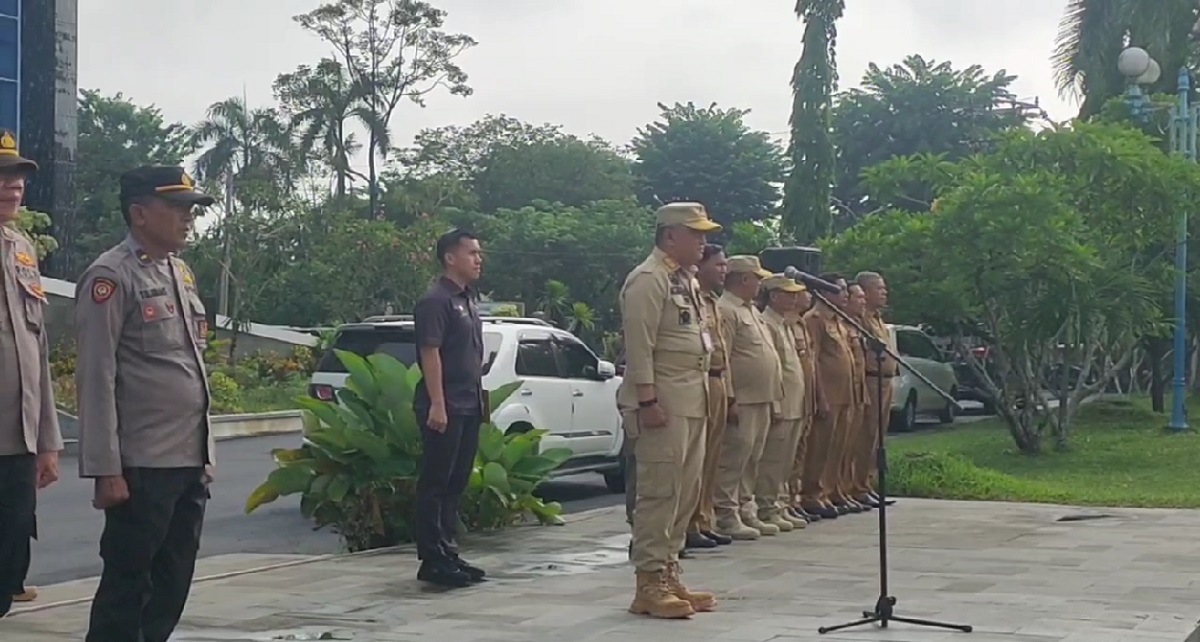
(707, 340)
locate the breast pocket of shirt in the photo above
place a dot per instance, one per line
(681, 311)
(161, 330)
(199, 321)
(34, 300)
(751, 333)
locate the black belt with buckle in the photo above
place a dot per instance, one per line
(716, 373)
(880, 374)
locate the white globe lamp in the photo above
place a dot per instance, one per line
(1151, 75)
(1133, 62)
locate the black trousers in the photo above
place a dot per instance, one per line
(446, 463)
(149, 548)
(18, 501)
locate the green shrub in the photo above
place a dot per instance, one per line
(224, 393)
(942, 475)
(357, 470)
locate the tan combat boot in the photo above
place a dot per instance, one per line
(699, 601)
(757, 524)
(775, 518)
(656, 600)
(797, 521)
(736, 530)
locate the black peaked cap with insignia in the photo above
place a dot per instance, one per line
(165, 182)
(10, 157)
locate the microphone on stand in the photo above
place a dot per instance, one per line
(810, 281)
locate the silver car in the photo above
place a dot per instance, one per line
(911, 397)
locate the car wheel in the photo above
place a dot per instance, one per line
(948, 412)
(615, 481)
(906, 419)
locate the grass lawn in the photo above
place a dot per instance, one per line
(1120, 456)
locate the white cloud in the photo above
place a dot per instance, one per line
(595, 67)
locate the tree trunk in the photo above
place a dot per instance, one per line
(1156, 351)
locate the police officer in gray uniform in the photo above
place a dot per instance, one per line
(29, 434)
(144, 435)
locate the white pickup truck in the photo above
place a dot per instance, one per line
(567, 389)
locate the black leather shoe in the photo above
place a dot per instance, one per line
(841, 509)
(720, 539)
(474, 572)
(824, 512)
(444, 574)
(805, 515)
(868, 502)
(685, 555)
(697, 541)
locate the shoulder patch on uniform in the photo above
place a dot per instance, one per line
(102, 289)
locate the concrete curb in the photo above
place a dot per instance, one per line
(206, 578)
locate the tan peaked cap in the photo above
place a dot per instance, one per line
(691, 215)
(748, 264)
(781, 282)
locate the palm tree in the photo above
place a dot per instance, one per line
(239, 142)
(1092, 33)
(320, 102)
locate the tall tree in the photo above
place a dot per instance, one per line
(710, 155)
(250, 153)
(115, 135)
(1092, 33)
(396, 50)
(459, 152)
(916, 107)
(321, 103)
(564, 170)
(807, 213)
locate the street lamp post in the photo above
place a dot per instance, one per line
(1140, 69)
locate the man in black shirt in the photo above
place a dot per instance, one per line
(450, 405)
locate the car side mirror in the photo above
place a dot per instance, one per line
(605, 370)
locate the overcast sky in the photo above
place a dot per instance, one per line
(595, 66)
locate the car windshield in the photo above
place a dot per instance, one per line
(397, 342)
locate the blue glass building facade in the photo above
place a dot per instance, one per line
(10, 65)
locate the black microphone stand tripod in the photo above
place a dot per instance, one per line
(885, 606)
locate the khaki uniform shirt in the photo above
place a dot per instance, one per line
(794, 402)
(719, 363)
(143, 392)
(858, 354)
(757, 374)
(876, 325)
(804, 348)
(667, 344)
(28, 419)
(833, 359)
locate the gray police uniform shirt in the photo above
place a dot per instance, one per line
(143, 393)
(28, 419)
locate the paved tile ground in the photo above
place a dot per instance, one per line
(1010, 570)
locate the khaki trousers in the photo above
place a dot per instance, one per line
(775, 466)
(836, 425)
(867, 466)
(796, 479)
(718, 408)
(669, 460)
(855, 437)
(741, 448)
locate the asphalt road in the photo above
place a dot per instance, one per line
(68, 548)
